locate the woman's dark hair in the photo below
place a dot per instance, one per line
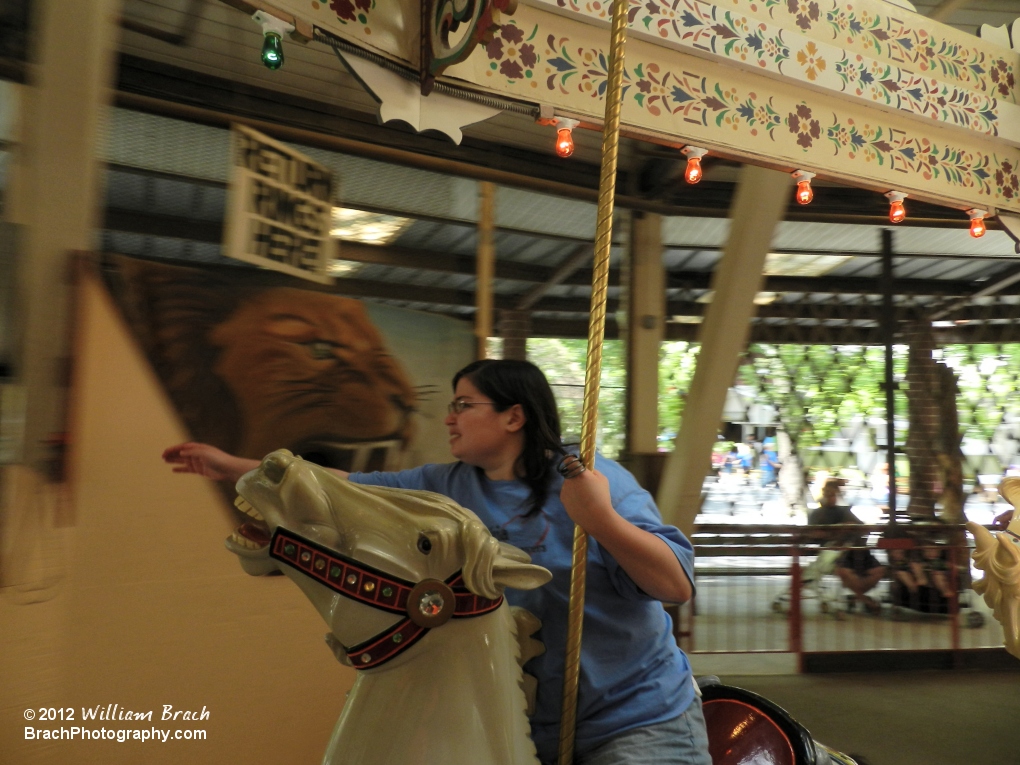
(508, 382)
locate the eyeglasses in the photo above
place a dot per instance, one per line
(459, 405)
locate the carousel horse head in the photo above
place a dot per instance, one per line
(410, 585)
(998, 555)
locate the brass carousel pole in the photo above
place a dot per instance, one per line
(593, 369)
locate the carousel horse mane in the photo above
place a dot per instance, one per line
(410, 585)
(998, 555)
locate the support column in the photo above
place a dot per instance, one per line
(758, 205)
(645, 330)
(54, 195)
(888, 335)
(514, 328)
(55, 192)
(485, 267)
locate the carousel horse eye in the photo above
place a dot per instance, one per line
(424, 544)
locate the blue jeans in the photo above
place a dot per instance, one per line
(682, 741)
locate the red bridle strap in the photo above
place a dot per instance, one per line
(375, 588)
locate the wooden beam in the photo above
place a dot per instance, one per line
(1002, 281)
(756, 211)
(181, 93)
(414, 293)
(485, 260)
(646, 318)
(149, 224)
(577, 258)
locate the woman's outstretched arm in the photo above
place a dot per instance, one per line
(208, 461)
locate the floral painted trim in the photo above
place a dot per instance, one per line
(525, 56)
(893, 39)
(859, 28)
(701, 26)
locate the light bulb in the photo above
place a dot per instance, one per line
(272, 51)
(564, 142)
(694, 154)
(977, 222)
(693, 172)
(804, 193)
(273, 30)
(896, 211)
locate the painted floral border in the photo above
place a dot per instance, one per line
(780, 51)
(859, 26)
(528, 56)
(870, 31)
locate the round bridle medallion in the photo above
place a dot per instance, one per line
(431, 603)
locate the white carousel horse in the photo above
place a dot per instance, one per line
(998, 555)
(410, 585)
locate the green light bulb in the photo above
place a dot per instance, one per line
(272, 51)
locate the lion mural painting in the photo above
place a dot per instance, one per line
(303, 364)
(253, 366)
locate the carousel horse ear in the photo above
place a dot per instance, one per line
(1010, 490)
(983, 539)
(520, 576)
(513, 553)
(489, 566)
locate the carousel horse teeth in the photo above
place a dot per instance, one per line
(245, 507)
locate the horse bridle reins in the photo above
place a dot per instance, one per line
(425, 605)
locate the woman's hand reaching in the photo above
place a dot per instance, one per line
(208, 461)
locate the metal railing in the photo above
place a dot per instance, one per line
(784, 589)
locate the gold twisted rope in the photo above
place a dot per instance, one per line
(593, 369)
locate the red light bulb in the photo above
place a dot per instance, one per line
(977, 226)
(693, 172)
(804, 192)
(896, 211)
(564, 142)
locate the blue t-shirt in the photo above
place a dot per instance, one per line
(632, 673)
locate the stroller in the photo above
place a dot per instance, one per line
(812, 585)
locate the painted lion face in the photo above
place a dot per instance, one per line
(309, 372)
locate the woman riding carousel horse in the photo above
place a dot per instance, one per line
(636, 697)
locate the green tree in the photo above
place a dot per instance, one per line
(677, 361)
(563, 362)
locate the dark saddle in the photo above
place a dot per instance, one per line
(747, 729)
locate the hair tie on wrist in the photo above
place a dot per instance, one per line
(571, 469)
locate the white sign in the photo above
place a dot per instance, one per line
(280, 207)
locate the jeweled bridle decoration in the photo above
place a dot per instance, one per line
(425, 605)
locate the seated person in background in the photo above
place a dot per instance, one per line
(900, 569)
(857, 568)
(921, 579)
(932, 570)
